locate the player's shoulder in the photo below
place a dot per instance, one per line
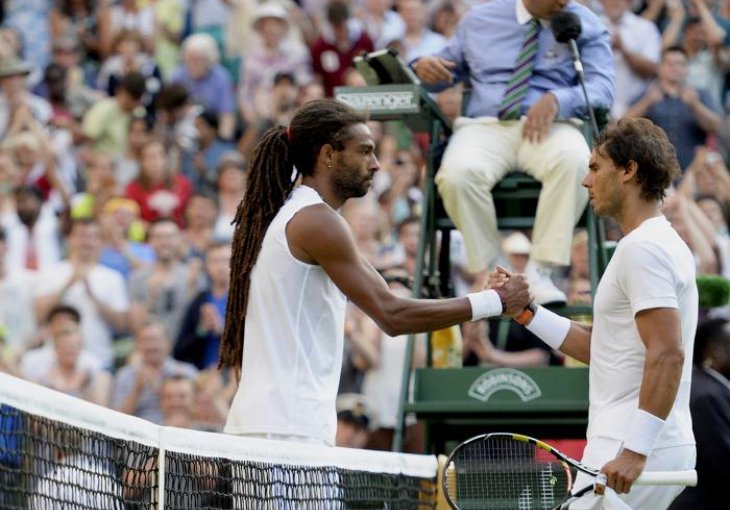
(318, 225)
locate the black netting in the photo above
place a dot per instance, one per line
(47, 464)
(201, 482)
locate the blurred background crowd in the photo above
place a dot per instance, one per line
(125, 129)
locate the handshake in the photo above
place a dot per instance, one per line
(513, 291)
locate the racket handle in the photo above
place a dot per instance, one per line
(688, 478)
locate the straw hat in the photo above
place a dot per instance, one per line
(13, 66)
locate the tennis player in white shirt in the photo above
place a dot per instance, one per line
(644, 320)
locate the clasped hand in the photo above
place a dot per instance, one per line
(514, 287)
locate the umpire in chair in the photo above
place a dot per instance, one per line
(524, 91)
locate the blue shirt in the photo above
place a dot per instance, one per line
(212, 341)
(113, 258)
(214, 91)
(486, 45)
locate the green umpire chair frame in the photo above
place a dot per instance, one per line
(453, 402)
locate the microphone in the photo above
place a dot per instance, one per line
(566, 27)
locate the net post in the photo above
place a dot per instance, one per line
(161, 468)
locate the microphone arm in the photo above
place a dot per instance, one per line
(581, 78)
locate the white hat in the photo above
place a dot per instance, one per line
(516, 243)
(269, 9)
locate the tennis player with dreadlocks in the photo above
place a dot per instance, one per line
(294, 265)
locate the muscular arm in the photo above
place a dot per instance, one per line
(318, 235)
(660, 332)
(578, 343)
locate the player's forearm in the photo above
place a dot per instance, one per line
(660, 382)
(405, 316)
(577, 344)
(560, 333)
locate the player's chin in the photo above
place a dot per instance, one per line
(366, 185)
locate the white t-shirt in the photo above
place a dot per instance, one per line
(107, 285)
(16, 308)
(639, 36)
(292, 355)
(651, 268)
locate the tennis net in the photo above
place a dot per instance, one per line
(59, 452)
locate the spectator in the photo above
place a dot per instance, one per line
(77, 20)
(30, 21)
(137, 384)
(200, 334)
(32, 231)
(707, 58)
(231, 185)
(65, 365)
(384, 25)
(37, 161)
(106, 124)
(201, 212)
(214, 392)
(445, 17)
(706, 175)
(637, 46)
(710, 406)
(685, 113)
(363, 216)
(123, 233)
(418, 39)
(177, 401)
(17, 321)
(164, 289)
(409, 232)
(126, 15)
(177, 119)
(101, 186)
(138, 134)
(272, 54)
(199, 163)
(380, 387)
(68, 106)
(361, 349)
(341, 39)
(354, 419)
(160, 191)
(129, 57)
(208, 83)
(16, 103)
(482, 150)
(170, 17)
(99, 293)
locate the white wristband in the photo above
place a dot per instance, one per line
(550, 327)
(644, 430)
(484, 304)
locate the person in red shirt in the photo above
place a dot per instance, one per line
(338, 44)
(160, 191)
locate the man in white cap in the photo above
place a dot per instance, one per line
(17, 105)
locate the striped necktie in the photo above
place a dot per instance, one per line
(511, 105)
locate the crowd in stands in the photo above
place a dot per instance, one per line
(125, 129)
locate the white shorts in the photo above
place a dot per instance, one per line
(646, 497)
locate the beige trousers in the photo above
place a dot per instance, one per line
(482, 151)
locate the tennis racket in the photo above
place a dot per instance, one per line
(510, 471)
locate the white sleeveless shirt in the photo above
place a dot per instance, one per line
(292, 353)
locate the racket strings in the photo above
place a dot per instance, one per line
(505, 474)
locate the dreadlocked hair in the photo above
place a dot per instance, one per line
(278, 159)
